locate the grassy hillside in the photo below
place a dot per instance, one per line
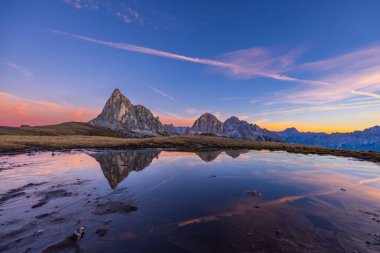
(13, 143)
(68, 128)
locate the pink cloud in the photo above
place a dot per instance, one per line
(16, 111)
(360, 59)
(317, 108)
(16, 67)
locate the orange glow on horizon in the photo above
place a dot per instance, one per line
(304, 127)
(177, 121)
(16, 111)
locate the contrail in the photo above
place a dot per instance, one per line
(233, 67)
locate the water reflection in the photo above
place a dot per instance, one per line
(208, 156)
(116, 166)
(259, 201)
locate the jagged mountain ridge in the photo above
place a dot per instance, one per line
(368, 139)
(232, 128)
(136, 120)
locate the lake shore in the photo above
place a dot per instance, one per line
(12, 144)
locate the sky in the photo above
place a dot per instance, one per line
(313, 65)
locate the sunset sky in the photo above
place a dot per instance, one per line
(313, 65)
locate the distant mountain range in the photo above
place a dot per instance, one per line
(368, 139)
(121, 115)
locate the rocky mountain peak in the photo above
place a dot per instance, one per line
(136, 121)
(291, 130)
(208, 116)
(121, 115)
(374, 130)
(207, 123)
(232, 119)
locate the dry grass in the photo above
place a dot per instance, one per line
(67, 128)
(14, 143)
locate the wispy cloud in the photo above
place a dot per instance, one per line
(170, 114)
(16, 110)
(263, 62)
(127, 12)
(172, 118)
(358, 59)
(192, 110)
(77, 4)
(330, 107)
(368, 94)
(232, 66)
(243, 116)
(16, 67)
(164, 94)
(353, 74)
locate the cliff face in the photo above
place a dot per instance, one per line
(235, 128)
(121, 115)
(207, 123)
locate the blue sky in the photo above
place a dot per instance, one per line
(314, 65)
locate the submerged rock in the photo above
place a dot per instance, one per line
(254, 193)
(102, 231)
(109, 207)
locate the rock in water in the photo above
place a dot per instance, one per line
(134, 120)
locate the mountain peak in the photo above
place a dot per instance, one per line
(291, 130)
(208, 115)
(208, 123)
(116, 92)
(120, 114)
(232, 119)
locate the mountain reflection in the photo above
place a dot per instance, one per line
(236, 153)
(209, 156)
(116, 166)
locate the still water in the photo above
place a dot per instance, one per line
(166, 201)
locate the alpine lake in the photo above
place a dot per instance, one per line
(170, 201)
